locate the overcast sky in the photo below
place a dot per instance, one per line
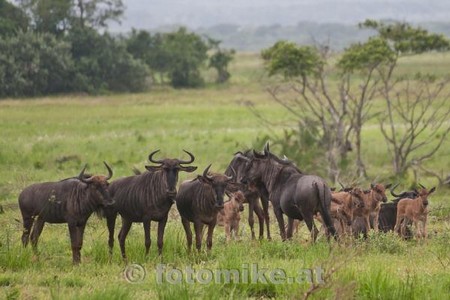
(148, 14)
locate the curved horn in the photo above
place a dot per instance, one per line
(422, 186)
(392, 191)
(205, 173)
(233, 171)
(81, 176)
(110, 172)
(240, 155)
(192, 157)
(150, 157)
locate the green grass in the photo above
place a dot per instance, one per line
(51, 138)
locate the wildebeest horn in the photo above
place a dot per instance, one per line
(240, 155)
(187, 161)
(258, 155)
(234, 173)
(392, 191)
(205, 173)
(150, 157)
(266, 149)
(110, 172)
(81, 176)
(422, 186)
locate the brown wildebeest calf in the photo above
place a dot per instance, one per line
(372, 205)
(343, 206)
(414, 210)
(229, 216)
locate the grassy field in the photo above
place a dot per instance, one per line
(48, 139)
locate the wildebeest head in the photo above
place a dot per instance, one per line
(379, 191)
(239, 199)
(424, 193)
(237, 166)
(357, 197)
(99, 185)
(171, 167)
(218, 183)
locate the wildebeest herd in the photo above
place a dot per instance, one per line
(252, 177)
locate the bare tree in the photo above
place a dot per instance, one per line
(416, 119)
(311, 99)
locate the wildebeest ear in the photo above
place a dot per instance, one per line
(188, 169)
(153, 168)
(432, 190)
(388, 185)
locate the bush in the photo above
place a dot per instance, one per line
(103, 63)
(34, 64)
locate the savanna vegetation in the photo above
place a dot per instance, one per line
(55, 51)
(50, 138)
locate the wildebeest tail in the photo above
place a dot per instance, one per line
(325, 198)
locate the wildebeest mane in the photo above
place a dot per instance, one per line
(148, 185)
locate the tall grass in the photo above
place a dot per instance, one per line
(51, 138)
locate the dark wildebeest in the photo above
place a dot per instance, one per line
(251, 194)
(293, 193)
(199, 201)
(70, 201)
(144, 198)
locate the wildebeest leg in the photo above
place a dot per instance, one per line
(75, 243)
(260, 214)
(367, 222)
(416, 226)
(290, 228)
(228, 231)
(126, 225)
(397, 224)
(403, 228)
(36, 232)
(279, 215)
(27, 224)
(80, 234)
(209, 236)
(251, 220)
(265, 205)
(375, 221)
(188, 231)
(111, 223)
(148, 241)
(161, 227)
(311, 226)
(236, 230)
(198, 227)
(424, 223)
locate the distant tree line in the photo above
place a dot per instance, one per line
(62, 46)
